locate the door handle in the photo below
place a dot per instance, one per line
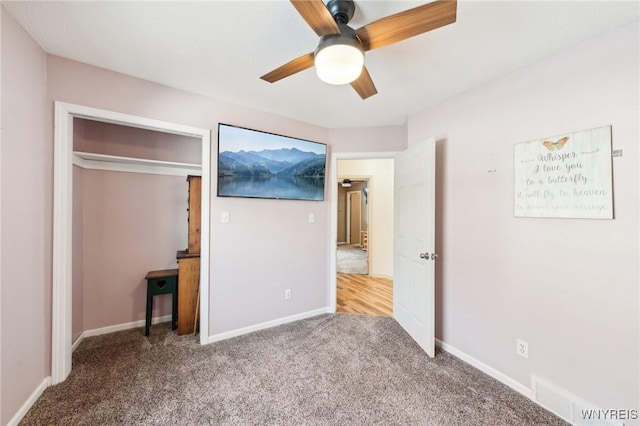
(424, 255)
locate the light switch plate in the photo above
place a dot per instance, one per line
(224, 217)
(312, 218)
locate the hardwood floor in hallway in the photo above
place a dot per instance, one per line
(362, 294)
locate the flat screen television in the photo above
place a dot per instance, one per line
(255, 164)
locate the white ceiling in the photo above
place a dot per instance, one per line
(221, 48)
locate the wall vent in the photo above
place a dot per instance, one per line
(552, 399)
(568, 406)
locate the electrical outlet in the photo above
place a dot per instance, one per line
(522, 348)
(287, 294)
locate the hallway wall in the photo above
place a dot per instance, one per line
(380, 210)
(342, 210)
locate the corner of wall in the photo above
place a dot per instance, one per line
(25, 221)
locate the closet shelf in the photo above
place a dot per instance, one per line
(88, 160)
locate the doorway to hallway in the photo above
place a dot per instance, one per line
(363, 206)
(411, 241)
(352, 255)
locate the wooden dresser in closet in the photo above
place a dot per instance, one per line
(189, 263)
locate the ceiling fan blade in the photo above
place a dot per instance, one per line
(317, 16)
(364, 85)
(403, 25)
(290, 68)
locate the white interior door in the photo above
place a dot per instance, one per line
(414, 243)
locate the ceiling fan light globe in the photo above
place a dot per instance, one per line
(339, 58)
(339, 63)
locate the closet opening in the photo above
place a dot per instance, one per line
(130, 217)
(124, 196)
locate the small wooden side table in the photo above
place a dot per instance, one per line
(162, 282)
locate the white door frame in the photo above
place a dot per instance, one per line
(333, 233)
(61, 321)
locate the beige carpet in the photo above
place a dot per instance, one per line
(351, 259)
(328, 370)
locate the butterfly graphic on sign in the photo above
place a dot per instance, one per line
(557, 145)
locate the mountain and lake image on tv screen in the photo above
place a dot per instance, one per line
(256, 164)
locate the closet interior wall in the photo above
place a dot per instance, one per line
(125, 224)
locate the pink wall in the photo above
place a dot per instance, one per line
(77, 271)
(26, 175)
(258, 254)
(111, 139)
(132, 223)
(569, 287)
(369, 139)
(110, 208)
(77, 297)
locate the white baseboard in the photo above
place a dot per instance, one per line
(268, 324)
(15, 420)
(381, 276)
(558, 401)
(77, 342)
(574, 409)
(490, 371)
(117, 327)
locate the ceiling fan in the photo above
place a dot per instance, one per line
(339, 57)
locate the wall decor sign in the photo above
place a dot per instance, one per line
(565, 176)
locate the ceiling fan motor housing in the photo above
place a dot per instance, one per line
(341, 10)
(347, 36)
